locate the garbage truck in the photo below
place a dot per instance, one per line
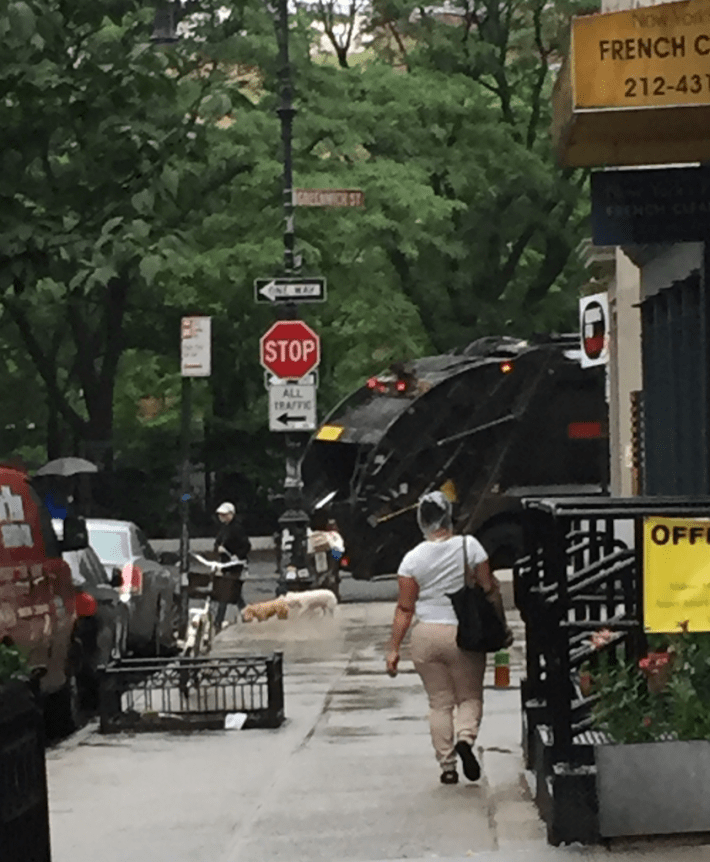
(503, 419)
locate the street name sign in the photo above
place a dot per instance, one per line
(289, 290)
(328, 198)
(289, 349)
(292, 407)
(195, 346)
(637, 207)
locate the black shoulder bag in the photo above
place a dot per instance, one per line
(480, 628)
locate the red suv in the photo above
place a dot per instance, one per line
(38, 608)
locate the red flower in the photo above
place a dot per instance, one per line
(654, 661)
(647, 721)
(601, 638)
(656, 668)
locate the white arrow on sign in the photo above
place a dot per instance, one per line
(292, 407)
(277, 289)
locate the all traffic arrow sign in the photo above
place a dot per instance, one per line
(289, 289)
(285, 419)
(292, 407)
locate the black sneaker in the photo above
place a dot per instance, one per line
(471, 767)
(450, 776)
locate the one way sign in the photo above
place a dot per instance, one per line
(292, 407)
(289, 290)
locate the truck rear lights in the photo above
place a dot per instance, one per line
(584, 430)
(86, 605)
(391, 386)
(132, 580)
(506, 367)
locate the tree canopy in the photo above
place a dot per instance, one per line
(142, 183)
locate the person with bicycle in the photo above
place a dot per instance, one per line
(231, 543)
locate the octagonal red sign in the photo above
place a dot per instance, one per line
(289, 349)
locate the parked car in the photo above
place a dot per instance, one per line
(102, 627)
(149, 588)
(38, 603)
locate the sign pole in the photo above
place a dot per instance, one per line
(185, 422)
(195, 361)
(293, 522)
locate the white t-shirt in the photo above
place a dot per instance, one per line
(438, 569)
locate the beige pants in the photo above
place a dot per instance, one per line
(453, 680)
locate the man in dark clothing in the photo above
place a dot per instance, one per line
(231, 542)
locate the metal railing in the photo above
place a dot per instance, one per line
(191, 693)
(582, 571)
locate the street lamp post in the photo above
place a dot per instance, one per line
(294, 520)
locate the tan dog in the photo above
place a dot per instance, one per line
(263, 610)
(310, 601)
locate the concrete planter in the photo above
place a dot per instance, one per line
(653, 788)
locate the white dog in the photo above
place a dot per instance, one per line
(310, 601)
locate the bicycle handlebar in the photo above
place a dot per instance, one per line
(215, 566)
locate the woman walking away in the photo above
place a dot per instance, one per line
(453, 678)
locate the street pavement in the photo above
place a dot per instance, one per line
(349, 777)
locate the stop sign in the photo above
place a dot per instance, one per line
(289, 349)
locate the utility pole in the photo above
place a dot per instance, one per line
(294, 520)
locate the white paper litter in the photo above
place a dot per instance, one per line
(234, 720)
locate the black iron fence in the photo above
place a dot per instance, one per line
(192, 693)
(582, 571)
(24, 811)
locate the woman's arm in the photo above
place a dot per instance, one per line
(406, 603)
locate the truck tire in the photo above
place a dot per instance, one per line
(504, 544)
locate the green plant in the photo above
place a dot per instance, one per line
(666, 693)
(13, 664)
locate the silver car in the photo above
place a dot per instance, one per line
(150, 589)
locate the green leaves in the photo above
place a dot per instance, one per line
(143, 201)
(13, 664)
(629, 712)
(150, 266)
(22, 20)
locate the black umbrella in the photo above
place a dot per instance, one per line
(67, 467)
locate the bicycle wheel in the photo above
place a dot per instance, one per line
(199, 636)
(207, 634)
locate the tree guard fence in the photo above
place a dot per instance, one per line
(192, 693)
(582, 571)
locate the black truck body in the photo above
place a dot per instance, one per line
(502, 420)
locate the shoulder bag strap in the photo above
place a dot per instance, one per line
(469, 574)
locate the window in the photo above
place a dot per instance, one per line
(111, 546)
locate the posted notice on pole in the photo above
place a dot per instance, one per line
(196, 346)
(676, 574)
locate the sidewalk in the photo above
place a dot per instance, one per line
(350, 776)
